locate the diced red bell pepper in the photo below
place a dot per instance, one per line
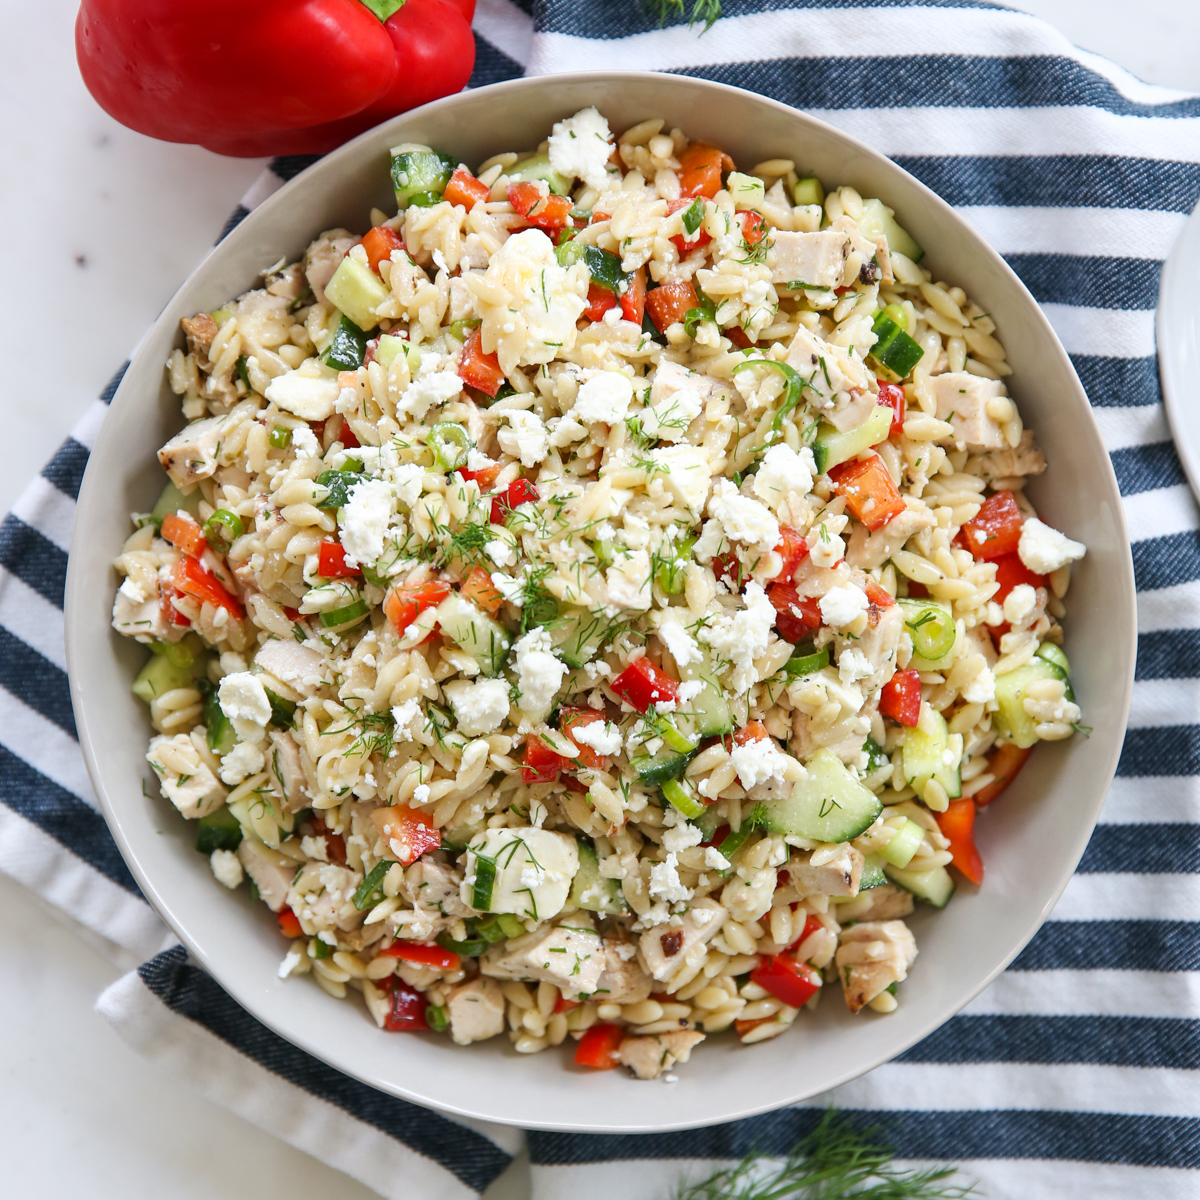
(184, 534)
(796, 616)
(633, 298)
(642, 684)
(752, 731)
(534, 202)
(189, 577)
(520, 491)
(347, 436)
(379, 244)
(571, 719)
(465, 189)
(423, 955)
(542, 763)
(562, 1004)
(331, 561)
(172, 615)
(1011, 571)
(599, 1046)
(403, 605)
(479, 589)
(892, 394)
(812, 924)
(406, 832)
(996, 529)
(871, 496)
(719, 835)
(670, 302)
(679, 241)
(600, 300)
(786, 979)
(900, 698)
(957, 824)
(1004, 762)
(406, 1013)
(739, 337)
(754, 227)
(477, 369)
(878, 596)
(289, 923)
(792, 549)
(700, 167)
(485, 476)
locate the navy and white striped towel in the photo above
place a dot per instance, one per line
(1076, 1073)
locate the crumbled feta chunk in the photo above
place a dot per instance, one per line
(309, 397)
(427, 391)
(479, 707)
(601, 736)
(305, 443)
(758, 762)
(1043, 549)
(679, 642)
(500, 552)
(226, 867)
(244, 760)
(854, 665)
(689, 689)
(679, 833)
(365, 519)
(714, 860)
(686, 472)
(409, 720)
(524, 437)
(665, 883)
(1019, 604)
(581, 146)
(243, 700)
(627, 582)
(981, 689)
(784, 472)
(827, 549)
(742, 519)
(742, 635)
(841, 606)
(603, 397)
(539, 673)
(408, 479)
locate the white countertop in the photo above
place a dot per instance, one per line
(101, 226)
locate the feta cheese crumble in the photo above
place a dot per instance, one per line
(842, 606)
(581, 146)
(480, 707)
(603, 397)
(539, 673)
(1043, 549)
(742, 519)
(365, 519)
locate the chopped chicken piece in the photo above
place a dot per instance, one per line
(436, 885)
(868, 550)
(184, 776)
(271, 871)
(648, 1057)
(476, 1011)
(837, 877)
(815, 260)
(665, 948)
(191, 455)
(1026, 459)
(571, 959)
(323, 257)
(622, 981)
(883, 903)
(283, 765)
(873, 955)
(301, 668)
(200, 331)
(962, 399)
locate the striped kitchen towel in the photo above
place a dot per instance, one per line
(1076, 1072)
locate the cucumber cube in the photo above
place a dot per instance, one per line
(357, 291)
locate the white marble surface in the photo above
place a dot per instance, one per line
(101, 225)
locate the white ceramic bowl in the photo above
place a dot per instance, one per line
(1031, 840)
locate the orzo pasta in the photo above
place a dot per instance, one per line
(594, 603)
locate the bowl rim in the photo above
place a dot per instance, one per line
(76, 583)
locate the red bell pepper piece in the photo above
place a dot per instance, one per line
(1004, 762)
(184, 534)
(599, 1046)
(670, 302)
(957, 824)
(633, 298)
(477, 369)
(269, 76)
(792, 549)
(796, 616)
(542, 763)
(754, 227)
(1011, 571)
(700, 167)
(406, 832)
(331, 561)
(479, 589)
(812, 924)
(485, 476)
(642, 684)
(534, 202)
(335, 844)
(423, 955)
(379, 244)
(520, 491)
(701, 237)
(465, 189)
(900, 698)
(786, 979)
(169, 611)
(892, 394)
(871, 496)
(406, 1014)
(600, 300)
(562, 1004)
(878, 596)
(289, 923)
(996, 529)
(571, 719)
(403, 605)
(739, 337)
(752, 731)
(346, 436)
(189, 577)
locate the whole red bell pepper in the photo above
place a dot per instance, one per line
(259, 77)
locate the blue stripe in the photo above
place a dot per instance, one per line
(935, 81)
(65, 470)
(1168, 654)
(63, 816)
(1160, 750)
(492, 65)
(949, 1136)
(1166, 849)
(288, 166)
(1059, 181)
(235, 218)
(33, 559)
(1171, 1043)
(1118, 382)
(110, 388)
(187, 990)
(1145, 468)
(1116, 283)
(36, 681)
(1112, 945)
(1166, 561)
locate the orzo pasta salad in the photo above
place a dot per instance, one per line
(592, 605)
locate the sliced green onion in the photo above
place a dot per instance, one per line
(906, 842)
(319, 949)
(734, 842)
(283, 712)
(344, 616)
(671, 571)
(676, 740)
(806, 664)
(932, 632)
(436, 1019)
(370, 891)
(682, 798)
(795, 385)
(243, 371)
(463, 326)
(809, 191)
(450, 444)
(281, 437)
(468, 948)
(222, 529)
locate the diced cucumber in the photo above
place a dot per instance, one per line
(683, 797)
(419, 171)
(530, 170)
(748, 191)
(481, 637)
(1055, 655)
(260, 815)
(391, 347)
(221, 735)
(172, 500)
(933, 886)
(348, 350)
(578, 634)
(283, 712)
(707, 714)
(931, 626)
(592, 891)
(894, 350)
(833, 447)
(809, 191)
(873, 875)
(655, 769)
(357, 291)
(925, 753)
(878, 220)
(218, 831)
(161, 675)
(672, 568)
(1011, 688)
(828, 805)
(906, 842)
(603, 266)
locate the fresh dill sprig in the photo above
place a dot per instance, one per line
(835, 1162)
(701, 10)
